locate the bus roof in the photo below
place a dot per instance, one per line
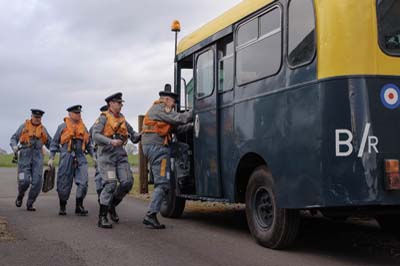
(233, 15)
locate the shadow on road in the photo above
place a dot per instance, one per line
(352, 240)
(347, 239)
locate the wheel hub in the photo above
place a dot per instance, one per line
(263, 208)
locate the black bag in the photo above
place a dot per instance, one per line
(48, 179)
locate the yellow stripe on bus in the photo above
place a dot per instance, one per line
(347, 42)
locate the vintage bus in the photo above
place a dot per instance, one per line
(297, 109)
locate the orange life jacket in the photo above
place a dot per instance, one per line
(161, 128)
(115, 126)
(32, 131)
(74, 131)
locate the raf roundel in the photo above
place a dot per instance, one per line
(390, 94)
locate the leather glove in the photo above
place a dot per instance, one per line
(50, 163)
(138, 137)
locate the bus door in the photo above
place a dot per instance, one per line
(206, 142)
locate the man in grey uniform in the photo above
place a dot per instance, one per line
(31, 136)
(110, 133)
(72, 140)
(97, 176)
(160, 121)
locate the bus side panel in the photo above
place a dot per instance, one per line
(227, 145)
(343, 181)
(357, 179)
(284, 128)
(295, 132)
(299, 182)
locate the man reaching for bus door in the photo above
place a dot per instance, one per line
(160, 121)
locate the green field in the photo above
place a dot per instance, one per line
(5, 160)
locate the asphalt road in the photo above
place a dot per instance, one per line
(203, 236)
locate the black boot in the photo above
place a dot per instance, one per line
(80, 210)
(103, 221)
(152, 221)
(63, 204)
(18, 201)
(111, 210)
(29, 207)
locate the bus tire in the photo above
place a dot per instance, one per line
(272, 227)
(172, 206)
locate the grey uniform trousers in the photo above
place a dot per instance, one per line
(30, 169)
(72, 166)
(114, 167)
(97, 179)
(159, 159)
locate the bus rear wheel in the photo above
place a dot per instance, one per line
(172, 206)
(271, 226)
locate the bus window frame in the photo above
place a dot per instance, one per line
(211, 47)
(234, 75)
(236, 48)
(378, 25)
(245, 44)
(287, 39)
(223, 59)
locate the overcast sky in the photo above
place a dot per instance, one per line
(57, 53)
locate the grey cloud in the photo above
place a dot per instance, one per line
(56, 53)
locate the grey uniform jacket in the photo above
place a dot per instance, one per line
(31, 154)
(179, 121)
(56, 147)
(35, 143)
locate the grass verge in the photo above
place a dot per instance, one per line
(5, 160)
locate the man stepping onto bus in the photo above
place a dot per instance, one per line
(72, 140)
(160, 121)
(28, 141)
(110, 133)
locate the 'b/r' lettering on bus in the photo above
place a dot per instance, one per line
(347, 145)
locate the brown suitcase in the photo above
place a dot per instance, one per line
(48, 179)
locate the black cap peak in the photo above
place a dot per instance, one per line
(75, 108)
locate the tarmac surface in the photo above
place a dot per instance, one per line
(205, 235)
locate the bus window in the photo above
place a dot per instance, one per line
(190, 93)
(205, 74)
(389, 26)
(186, 82)
(270, 22)
(247, 32)
(225, 65)
(262, 57)
(301, 41)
